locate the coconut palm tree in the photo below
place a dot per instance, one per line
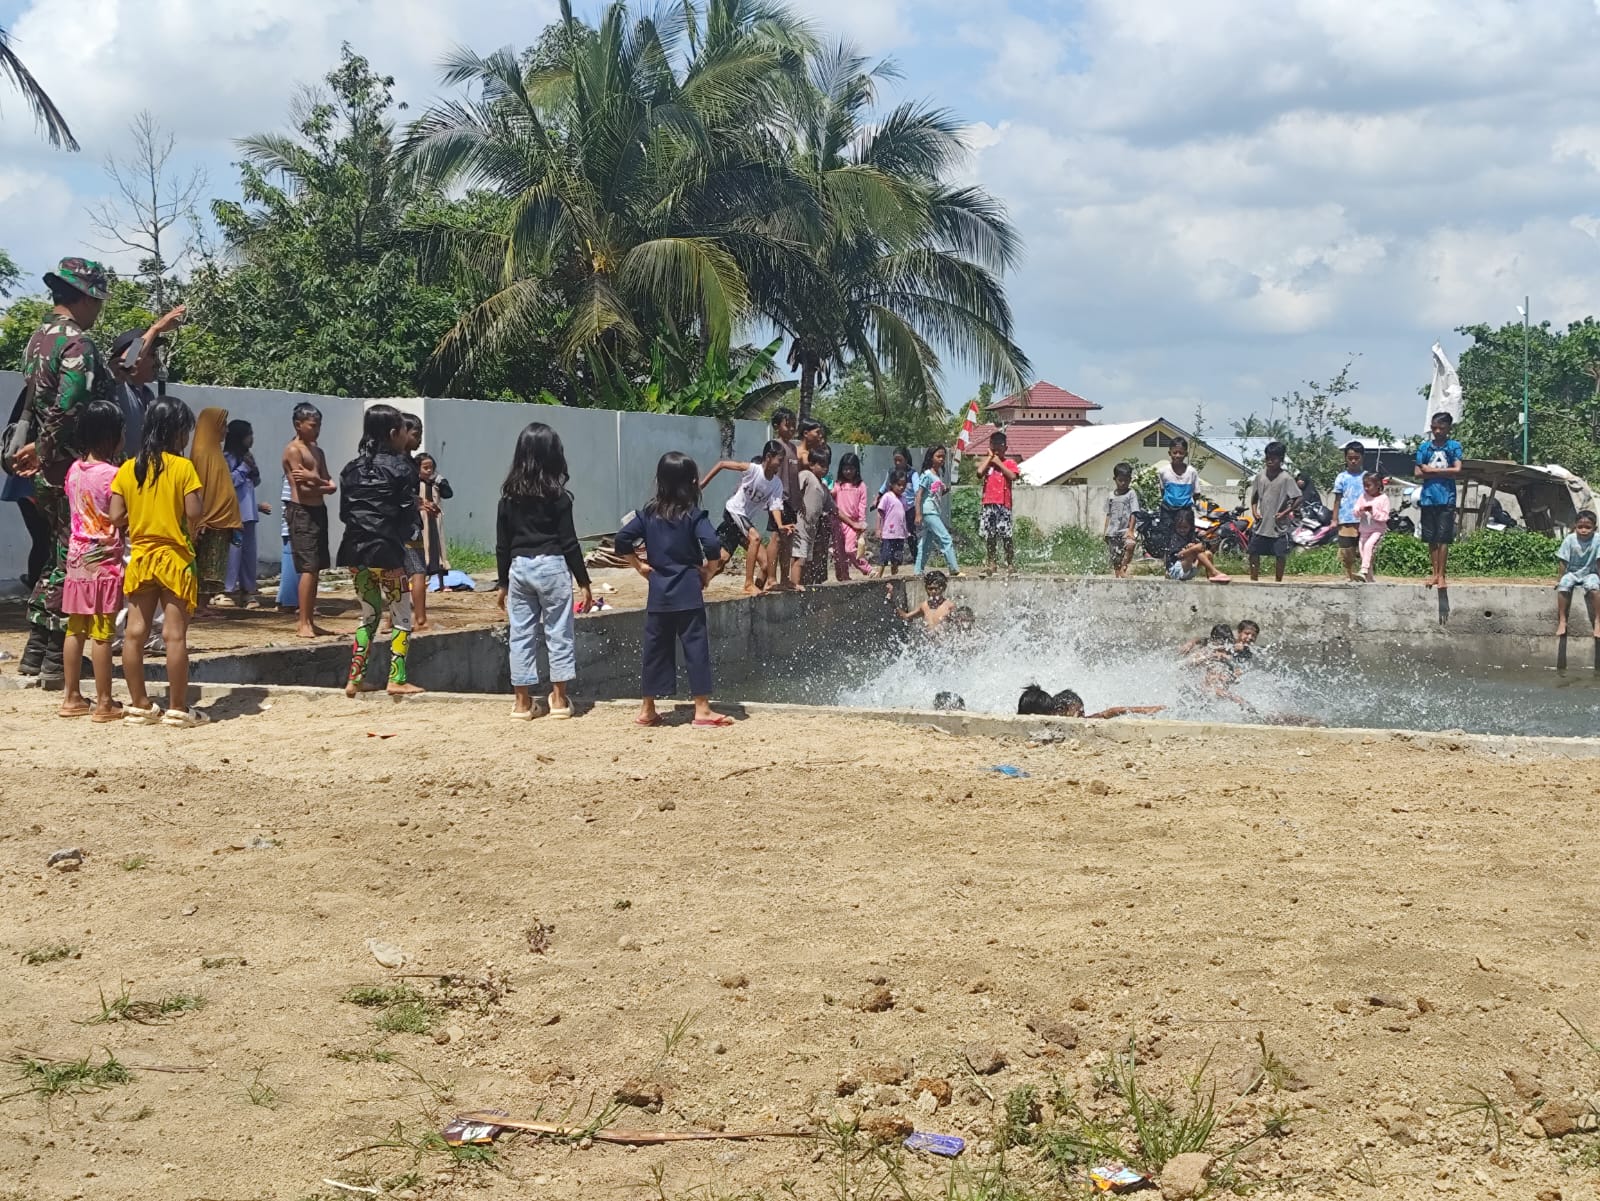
(638, 171)
(45, 112)
(899, 266)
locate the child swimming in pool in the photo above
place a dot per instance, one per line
(1035, 701)
(937, 609)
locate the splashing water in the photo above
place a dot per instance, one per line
(989, 665)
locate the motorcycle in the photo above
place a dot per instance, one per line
(1399, 522)
(1233, 534)
(1316, 526)
(1499, 519)
(1153, 532)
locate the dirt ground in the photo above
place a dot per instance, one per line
(717, 910)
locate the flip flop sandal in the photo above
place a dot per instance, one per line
(648, 721)
(134, 716)
(521, 715)
(184, 719)
(101, 719)
(76, 712)
(561, 714)
(713, 723)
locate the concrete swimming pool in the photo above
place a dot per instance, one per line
(1342, 655)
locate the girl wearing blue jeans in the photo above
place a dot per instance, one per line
(930, 483)
(538, 556)
(683, 553)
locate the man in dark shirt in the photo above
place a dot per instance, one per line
(134, 363)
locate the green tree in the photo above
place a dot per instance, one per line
(22, 317)
(320, 290)
(855, 411)
(1563, 394)
(10, 274)
(45, 113)
(1315, 426)
(632, 159)
(896, 265)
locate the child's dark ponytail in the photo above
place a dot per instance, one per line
(377, 430)
(168, 426)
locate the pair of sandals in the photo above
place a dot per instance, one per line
(181, 719)
(553, 713)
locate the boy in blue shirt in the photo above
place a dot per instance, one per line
(1179, 482)
(1347, 490)
(1579, 551)
(1438, 465)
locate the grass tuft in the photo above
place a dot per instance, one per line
(362, 1055)
(73, 1077)
(134, 863)
(50, 953)
(124, 1008)
(259, 1092)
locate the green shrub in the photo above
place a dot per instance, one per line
(1505, 552)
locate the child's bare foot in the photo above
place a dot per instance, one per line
(73, 706)
(404, 689)
(1561, 630)
(752, 590)
(422, 627)
(353, 689)
(309, 632)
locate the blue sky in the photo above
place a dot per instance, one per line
(1219, 198)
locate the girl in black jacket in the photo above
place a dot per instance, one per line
(378, 506)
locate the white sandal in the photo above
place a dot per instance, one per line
(557, 714)
(150, 716)
(184, 718)
(522, 715)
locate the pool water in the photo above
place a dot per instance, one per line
(988, 668)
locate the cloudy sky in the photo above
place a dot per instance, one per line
(1220, 198)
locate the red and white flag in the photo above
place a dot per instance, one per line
(965, 438)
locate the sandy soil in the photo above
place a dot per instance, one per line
(756, 884)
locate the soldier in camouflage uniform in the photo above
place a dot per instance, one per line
(63, 369)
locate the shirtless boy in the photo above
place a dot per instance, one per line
(306, 512)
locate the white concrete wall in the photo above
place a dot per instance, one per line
(1078, 506)
(612, 457)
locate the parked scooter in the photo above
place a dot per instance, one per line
(1498, 518)
(1316, 526)
(1399, 521)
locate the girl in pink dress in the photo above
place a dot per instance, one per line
(850, 530)
(92, 593)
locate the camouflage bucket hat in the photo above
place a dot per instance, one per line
(86, 275)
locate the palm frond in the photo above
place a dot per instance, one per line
(45, 113)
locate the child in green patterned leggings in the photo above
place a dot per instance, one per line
(378, 506)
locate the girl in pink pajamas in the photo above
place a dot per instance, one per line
(1372, 511)
(850, 530)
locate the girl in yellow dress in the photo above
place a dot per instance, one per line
(156, 497)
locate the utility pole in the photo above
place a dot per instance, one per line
(1525, 306)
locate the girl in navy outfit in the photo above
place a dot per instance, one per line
(682, 553)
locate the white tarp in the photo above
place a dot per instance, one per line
(1444, 393)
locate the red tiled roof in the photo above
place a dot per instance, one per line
(1044, 395)
(1024, 439)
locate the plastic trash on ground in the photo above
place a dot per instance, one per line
(1117, 1178)
(948, 1145)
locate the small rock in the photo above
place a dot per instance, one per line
(927, 1103)
(189, 910)
(550, 1019)
(728, 1158)
(441, 1037)
(939, 1087)
(849, 1084)
(886, 1127)
(1053, 1031)
(890, 1071)
(628, 943)
(1398, 1027)
(68, 860)
(1382, 1000)
(387, 954)
(455, 1033)
(719, 1048)
(1525, 1083)
(642, 1094)
(1531, 1127)
(1424, 1005)
(736, 980)
(984, 1058)
(546, 1073)
(1185, 1176)
(1547, 1194)
(1078, 1005)
(1342, 1005)
(1399, 1122)
(667, 806)
(1560, 1118)
(981, 984)
(876, 1000)
(1098, 788)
